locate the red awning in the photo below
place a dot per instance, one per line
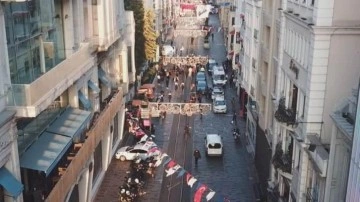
(188, 6)
(231, 53)
(232, 32)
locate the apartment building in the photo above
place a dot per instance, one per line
(317, 48)
(246, 51)
(265, 90)
(342, 135)
(10, 180)
(67, 68)
(352, 188)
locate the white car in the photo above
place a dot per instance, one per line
(217, 91)
(219, 105)
(210, 65)
(168, 50)
(138, 151)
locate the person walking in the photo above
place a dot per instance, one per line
(167, 81)
(190, 71)
(176, 85)
(197, 156)
(169, 96)
(201, 113)
(234, 118)
(212, 36)
(182, 85)
(182, 50)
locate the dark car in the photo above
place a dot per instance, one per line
(200, 76)
(201, 86)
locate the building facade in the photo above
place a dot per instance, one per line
(315, 40)
(340, 148)
(249, 43)
(69, 64)
(351, 192)
(10, 184)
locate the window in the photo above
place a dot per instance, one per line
(233, 21)
(312, 2)
(129, 60)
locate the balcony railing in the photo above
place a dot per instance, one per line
(94, 135)
(283, 114)
(54, 83)
(282, 160)
(312, 195)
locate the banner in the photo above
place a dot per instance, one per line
(200, 189)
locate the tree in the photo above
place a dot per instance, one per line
(150, 35)
(138, 9)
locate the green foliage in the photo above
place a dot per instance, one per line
(148, 75)
(150, 35)
(138, 9)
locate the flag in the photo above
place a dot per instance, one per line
(219, 29)
(172, 170)
(153, 150)
(181, 172)
(167, 161)
(188, 177)
(171, 164)
(210, 195)
(192, 181)
(199, 192)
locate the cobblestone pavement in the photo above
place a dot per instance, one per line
(232, 175)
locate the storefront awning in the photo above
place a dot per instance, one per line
(103, 78)
(93, 87)
(45, 153)
(71, 123)
(10, 183)
(84, 101)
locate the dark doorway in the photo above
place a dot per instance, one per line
(262, 158)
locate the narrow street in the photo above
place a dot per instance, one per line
(232, 175)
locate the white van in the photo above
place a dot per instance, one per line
(213, 145)
(168, 50)
(219, 77)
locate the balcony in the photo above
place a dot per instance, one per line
(317, 154)
(94, 135)
(312, 194)
(283, 114)
(30, 99)
(282, 160)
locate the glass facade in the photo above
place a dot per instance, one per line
(34, 34)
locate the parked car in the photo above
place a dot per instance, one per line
(217, 91)
(219, 76)
(168, 50)
(219, 105)
(211, 63)
(201, 76)
(213, 145)
(201, 86)
(133, 152)
(147, 143)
